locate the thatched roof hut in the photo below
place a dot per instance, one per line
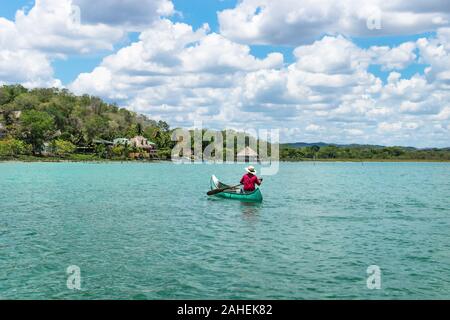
(247, 155)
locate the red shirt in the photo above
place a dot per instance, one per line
(249, 181)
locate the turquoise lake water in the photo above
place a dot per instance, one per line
(148, 231)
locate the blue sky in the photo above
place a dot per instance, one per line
(197, 12)
(9, 8)
(392, 41)
(315, 71)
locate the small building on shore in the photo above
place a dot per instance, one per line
(47, 149)
(247, 155)
(122, 142)
(148, 148)
(102, 142)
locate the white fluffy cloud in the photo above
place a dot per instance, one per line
(331, 55)
(295, 22)
(396, 58)
(30, 68)
(436, 53)
(52, 26)
(173, 64)
(327, 93)
(49, 30)
(324, 73)
(53, 29)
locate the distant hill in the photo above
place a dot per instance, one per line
(324, 144)
(352, 146)
(301, 151)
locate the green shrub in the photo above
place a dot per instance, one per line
(118, 151)
(164, 154)
(62, 148)
(13, 147)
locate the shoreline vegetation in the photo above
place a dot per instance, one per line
(363, 154)
(32, 159)
(54, 125)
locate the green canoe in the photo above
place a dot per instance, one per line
(255, 196)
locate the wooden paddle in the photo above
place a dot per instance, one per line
(216, 191)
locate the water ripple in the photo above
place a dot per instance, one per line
(135, 237)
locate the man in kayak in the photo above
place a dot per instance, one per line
(249, 180)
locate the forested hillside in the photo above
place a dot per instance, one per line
(30, 119)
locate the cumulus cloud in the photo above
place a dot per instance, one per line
(384, 127)
(297, 22)
(174, 55)
(52, 26)
(327, 70)
(436, 53)
(177, 73)
(54, 29)
(396, 58)
(313, 128)
(34, 69)
(331, 55)
(51, 29)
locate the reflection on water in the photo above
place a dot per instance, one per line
(250, 209)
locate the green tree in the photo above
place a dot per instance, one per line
(101, 151)
(63, 148)
(13, 147)
(95, 127)
(139, 128)
(9, 93)
(26, 101)
(160, 135)
(164, 154)
(328, 152)
(36, 128)
(118, 151)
